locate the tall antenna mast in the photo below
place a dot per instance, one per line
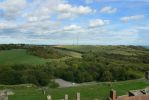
(77, 39)
(73, 41)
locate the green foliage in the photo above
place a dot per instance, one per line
(21, 74)
(45, 52)
(12, 46)
(96, 63)
(106, 76)
(53, 84)
(9, 76)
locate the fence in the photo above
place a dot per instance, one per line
(66, 97)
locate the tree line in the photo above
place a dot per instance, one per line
(93, 66)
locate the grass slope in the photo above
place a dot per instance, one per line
(123, 50)
(88, 92)
(70, 53)
(19, 56)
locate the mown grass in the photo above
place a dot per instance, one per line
(71, 53)
(19, 56)
(88, 92)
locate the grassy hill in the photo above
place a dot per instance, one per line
(124, 50)
(95, 61)
(71, 53)
(19, 56)
(73, 63)
(88, 92)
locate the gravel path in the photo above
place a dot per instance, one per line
(63, 83)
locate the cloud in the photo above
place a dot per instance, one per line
(71, 27)
(7, 25)
(69, 11)
(60, 8)
(36, 18)
(108, 10)
(40, 27)
(66, 16)
(41, 10)
(37, 21)
(129, 18)
(12, 9)
(98, 22)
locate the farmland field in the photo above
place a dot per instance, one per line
(19, 56)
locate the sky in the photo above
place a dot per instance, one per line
(89, 22)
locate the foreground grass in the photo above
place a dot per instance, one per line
(88, 92)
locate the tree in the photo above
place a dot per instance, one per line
(106, 76)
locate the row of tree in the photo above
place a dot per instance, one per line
(21, 74)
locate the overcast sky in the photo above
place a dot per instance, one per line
(104, 22)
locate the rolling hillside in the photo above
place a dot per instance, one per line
(132, 59)
(19, 56)
(124, 50)
(78, 64)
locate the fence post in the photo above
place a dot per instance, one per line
(66, 97)
(113, 94)
(49, 97)
(78, 96)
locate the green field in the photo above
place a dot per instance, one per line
(88, 92)
(70, 53)
(19, 56)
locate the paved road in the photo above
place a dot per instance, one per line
(62, 83)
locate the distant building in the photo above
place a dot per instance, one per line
(132, 95)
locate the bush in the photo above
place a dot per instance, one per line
(53, 84)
